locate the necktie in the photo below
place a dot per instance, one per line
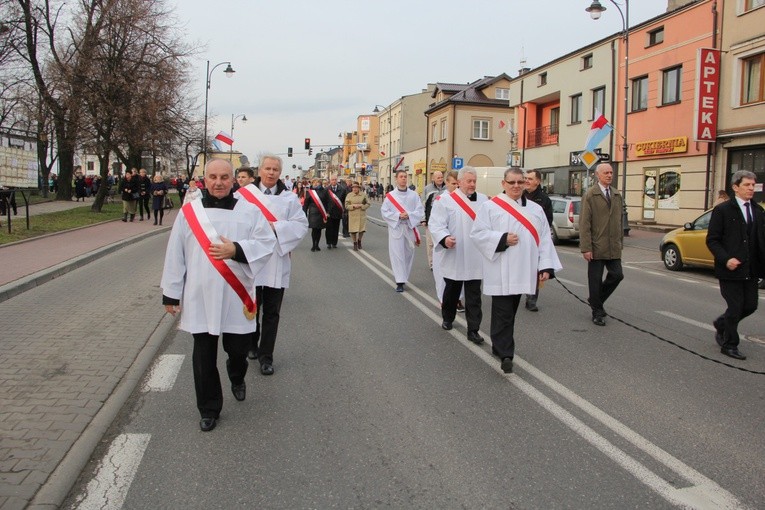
(608, 196)
(268, 191)
(749, 222)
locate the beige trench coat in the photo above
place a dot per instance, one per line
(357, 217)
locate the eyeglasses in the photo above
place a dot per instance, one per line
(514, 183)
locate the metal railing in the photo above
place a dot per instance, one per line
(545, 135)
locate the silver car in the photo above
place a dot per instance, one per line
(565, 217)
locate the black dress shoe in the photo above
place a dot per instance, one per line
(239, 391)
(207, 424)
(507, 365)
(446, 325)
(733, 353)
(532, 306)
(399, 287)
(474, 337)
(252, 355)
(719, 335)
(599, 321)
(266, 368)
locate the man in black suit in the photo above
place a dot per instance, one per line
(336, 195)
(736, 238)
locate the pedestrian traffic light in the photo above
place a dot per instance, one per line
(363, 171)
(307, 143)
(289, 152)
(310, 151)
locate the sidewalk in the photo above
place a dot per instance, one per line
(67, 365)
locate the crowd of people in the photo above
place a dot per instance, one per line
(228, 261)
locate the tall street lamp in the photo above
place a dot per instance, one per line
(231, 147)
(229, 73)
(390, 144)
(595, 10)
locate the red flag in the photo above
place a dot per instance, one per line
(225, 138)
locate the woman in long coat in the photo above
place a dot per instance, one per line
(357, 203)
(316, 213)
(158, 193)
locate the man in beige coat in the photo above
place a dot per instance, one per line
(600, 240)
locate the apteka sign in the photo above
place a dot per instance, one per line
(707, 94)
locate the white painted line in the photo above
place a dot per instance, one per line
(692, 322)
(163, 373)
(703, 494)
(115, 473)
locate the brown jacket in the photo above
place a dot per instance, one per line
(600, 226)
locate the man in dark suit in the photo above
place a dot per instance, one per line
(736, 238)
(336, 195)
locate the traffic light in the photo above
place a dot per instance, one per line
(307, 144)
(363, 171)
(310, 151)
(289, 152)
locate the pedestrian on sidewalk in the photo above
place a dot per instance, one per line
(79, 186)
(158, 194)
(216, 246)
(129, 186)
(144, 194)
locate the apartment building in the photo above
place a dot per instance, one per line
(471, 122)
(741, 117)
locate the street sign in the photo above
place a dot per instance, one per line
(370, 168)
(457, 163)
(362, 146)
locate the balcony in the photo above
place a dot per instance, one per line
(545, 135)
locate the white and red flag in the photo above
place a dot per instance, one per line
(225, 138)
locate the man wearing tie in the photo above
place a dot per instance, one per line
(736, 238)
(600, 240)
(334, 212)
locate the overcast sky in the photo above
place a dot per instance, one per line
(307, 68)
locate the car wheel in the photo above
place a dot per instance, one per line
(671, 257)
(555, 239)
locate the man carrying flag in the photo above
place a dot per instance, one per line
(217, 245)
(402, 211)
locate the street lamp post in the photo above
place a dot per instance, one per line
(595, 10)
(208, 77)
(231, 147)
(390, 144)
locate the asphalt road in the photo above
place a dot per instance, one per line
(373, 405)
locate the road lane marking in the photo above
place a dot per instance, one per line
(163, 373)
(704, 492)
(571, 282)
(703, 325)
(115, 472)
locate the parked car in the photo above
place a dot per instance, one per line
(565, 217)
(687, 245)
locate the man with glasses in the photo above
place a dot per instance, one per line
(513, 236)
(534, 192)
(600, 240)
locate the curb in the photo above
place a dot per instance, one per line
(62, 480)
(29, 282)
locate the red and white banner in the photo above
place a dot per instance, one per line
(225, 138)
(316, 200)
(336, 200)
(252, 194)
(707, 97)
(402, 210)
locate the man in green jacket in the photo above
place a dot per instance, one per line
(600, 240)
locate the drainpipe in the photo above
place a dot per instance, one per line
(525, 115)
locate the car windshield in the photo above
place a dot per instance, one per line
(702, 222)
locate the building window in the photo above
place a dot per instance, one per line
(598, 101)
(91, 166)
(554, 120)
(656, 36)
(640, 93)
(753, 79)
(500, 93)
(587, 61)
(433, 133)
(670, 83)
(480, 129)
(753, 4)
(542, 79)
(576, 109)
(443, 129)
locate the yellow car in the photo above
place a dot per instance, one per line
(687, 245)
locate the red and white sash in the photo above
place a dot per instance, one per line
(518, 215)
(252, 194)
(335, 199)
(205, 233)
(402, 210)
(465, 207)
(316, 200)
